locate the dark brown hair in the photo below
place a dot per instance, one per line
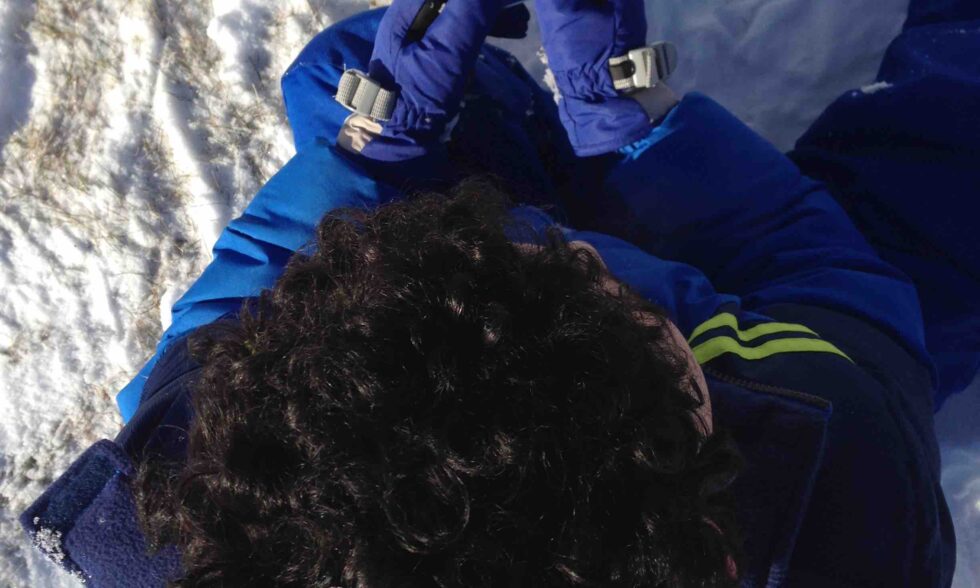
(420, 403)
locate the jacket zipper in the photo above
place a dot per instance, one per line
(775, 390)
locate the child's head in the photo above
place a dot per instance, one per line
(419, 402)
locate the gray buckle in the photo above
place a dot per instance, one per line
(357, 92)
(644, 67)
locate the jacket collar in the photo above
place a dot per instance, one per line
(86, 522)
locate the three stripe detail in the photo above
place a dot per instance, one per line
(792, 342)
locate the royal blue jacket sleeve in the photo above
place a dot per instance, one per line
(253, 249)
(705, 190)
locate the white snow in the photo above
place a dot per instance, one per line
(132, 131)
(875, 87)
(49, 541)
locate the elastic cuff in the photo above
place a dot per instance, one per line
(617, 124)
(657, 101)
(606, 147)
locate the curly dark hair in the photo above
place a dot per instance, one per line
(418, 402)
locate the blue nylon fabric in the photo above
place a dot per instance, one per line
(925, 12)
(310, 82)
(682, 291)
(251, 252)
(704, 190)
(429, 74)
(904, 163)
(754, 225)
(501, 124)
(583, 35)
(579, 37)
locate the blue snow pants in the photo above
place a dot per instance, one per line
(903, 158)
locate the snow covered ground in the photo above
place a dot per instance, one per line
(131, 131)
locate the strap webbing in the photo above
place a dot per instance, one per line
(357, 92)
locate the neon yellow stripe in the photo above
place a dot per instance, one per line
(726, 319)
(712, 348)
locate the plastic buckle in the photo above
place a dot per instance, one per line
(644, 67)
(358, 93)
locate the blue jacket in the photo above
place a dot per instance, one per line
(904, 162)
(813, 346)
